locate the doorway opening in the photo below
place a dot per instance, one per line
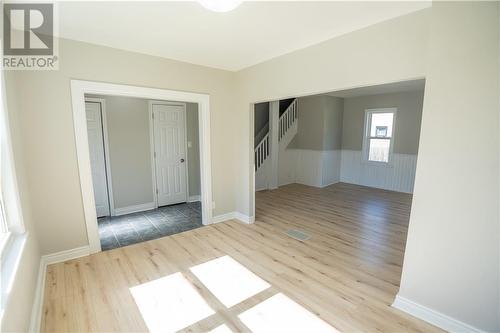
(144, 162)
(144, 157)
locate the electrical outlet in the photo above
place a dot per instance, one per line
(190, 144)
(213, 204)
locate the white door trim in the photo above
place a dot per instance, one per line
(152, 145)
(109, 182)
(78, 90)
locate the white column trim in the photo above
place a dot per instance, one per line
(274, 110)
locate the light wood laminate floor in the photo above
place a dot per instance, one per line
(347, 273)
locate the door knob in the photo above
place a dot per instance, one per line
(182, 160)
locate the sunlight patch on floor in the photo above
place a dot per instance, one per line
(228, 280)
(170, 303)
(280, 314)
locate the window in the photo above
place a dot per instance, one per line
(378, 135)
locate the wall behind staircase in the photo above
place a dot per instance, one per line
(313, 156)
(261, 120)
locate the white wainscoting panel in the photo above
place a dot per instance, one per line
(331, 167)
(309, 167)
(398, 176)
(287, 166)
(262, 176)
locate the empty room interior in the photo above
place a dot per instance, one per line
(145, 168)
(250, 166)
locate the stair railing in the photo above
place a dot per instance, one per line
(262, 151)
(287, 119)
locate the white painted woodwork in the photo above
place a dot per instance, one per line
(97, 159)
(399, 175)
(309, 167)
(262, 151)
(274, 132)
(169, 129)
(321, 168)
(261, 176)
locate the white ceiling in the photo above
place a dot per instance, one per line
(252, 33)
(412, 85)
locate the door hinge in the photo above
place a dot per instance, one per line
(154, 154)
(156, 191)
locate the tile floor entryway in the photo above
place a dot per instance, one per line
(118, 231)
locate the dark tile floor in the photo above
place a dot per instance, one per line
(118, 231)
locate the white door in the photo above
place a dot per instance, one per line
(170, 153)
(97, 160)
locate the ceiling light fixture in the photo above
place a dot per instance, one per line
(220, 6)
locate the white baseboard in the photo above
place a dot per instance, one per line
(36, 310)
(331, 183)
(223, 217)
(287, 183)
(431, 316)
(134, 208)
(244, 218)
(233, 216)
(194, 198)
(57, 257)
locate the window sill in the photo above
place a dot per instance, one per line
(11, 255)
(378, 164)
(5, 239)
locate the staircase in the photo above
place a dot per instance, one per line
(287, 128)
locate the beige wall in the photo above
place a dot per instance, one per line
(319, 123)
(452, 260)
(48, 144)
(408, 119)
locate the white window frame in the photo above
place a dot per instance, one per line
(13, 240)
(367, 137)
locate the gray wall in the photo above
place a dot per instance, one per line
(261, 117)
(129, 150)
(319, 123)
(332, 123)
(408, 119)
